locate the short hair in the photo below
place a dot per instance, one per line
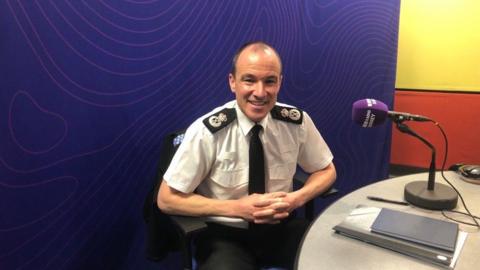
(248, 44)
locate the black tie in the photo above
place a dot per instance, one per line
(256, 173)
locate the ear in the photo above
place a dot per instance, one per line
(231, 81)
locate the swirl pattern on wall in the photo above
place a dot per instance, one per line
(89, 88)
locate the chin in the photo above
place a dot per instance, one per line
(256, 113)
(257, 116)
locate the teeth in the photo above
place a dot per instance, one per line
(258, 102)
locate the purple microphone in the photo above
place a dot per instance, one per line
(370, 112)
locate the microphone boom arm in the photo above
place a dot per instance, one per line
(431, 172)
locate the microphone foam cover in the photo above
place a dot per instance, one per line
(369, 112)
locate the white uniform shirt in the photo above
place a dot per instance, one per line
(215, 165)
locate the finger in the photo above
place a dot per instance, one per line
(279, 206)
(278, 194)
(263, 202)
(264, 213)
(266, 221)
(281, 215)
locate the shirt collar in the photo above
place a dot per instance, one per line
(245, 123)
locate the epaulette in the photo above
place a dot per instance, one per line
(287, 114)
(220, 119)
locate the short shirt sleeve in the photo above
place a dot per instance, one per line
(314, 153)
(192, 161)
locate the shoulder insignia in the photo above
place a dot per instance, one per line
(287, 114)
(220, 119)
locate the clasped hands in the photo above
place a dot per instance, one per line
(268, 208)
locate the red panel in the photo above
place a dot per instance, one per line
(457, 113)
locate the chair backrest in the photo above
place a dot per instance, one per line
(162, 236)
(170, 145)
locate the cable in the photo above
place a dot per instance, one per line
(474, 218)
(459, 221)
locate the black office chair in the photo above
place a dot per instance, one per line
(170, 233)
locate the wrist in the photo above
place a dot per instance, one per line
(230, 208)
(298, 199)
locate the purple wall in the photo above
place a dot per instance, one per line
(89, 88)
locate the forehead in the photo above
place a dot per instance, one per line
(254, 60)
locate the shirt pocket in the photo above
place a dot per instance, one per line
(282, 154)
(281, 170)
(229, 176)
(226, 161)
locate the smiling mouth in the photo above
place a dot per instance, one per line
(258, 102)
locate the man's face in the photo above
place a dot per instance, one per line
(256, 82)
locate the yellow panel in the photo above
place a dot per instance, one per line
(439, 45)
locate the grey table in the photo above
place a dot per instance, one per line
(324, 249)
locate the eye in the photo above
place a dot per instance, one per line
(271, 81)
(248, 80)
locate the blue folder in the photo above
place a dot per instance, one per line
(418, 229)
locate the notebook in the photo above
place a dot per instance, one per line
(418, 229)
(358, 225)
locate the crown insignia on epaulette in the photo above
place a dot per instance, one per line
(220, 119)
(288, 114)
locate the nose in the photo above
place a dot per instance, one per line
(259, 91)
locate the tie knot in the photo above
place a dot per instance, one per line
(256, 129)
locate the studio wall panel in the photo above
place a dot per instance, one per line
(89, 88)
(439, 45)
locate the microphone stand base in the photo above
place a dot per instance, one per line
(442, 197)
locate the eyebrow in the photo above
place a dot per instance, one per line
(249, 76)
(244, 76)
(275, 77)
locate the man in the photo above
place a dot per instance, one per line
(209, 175)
